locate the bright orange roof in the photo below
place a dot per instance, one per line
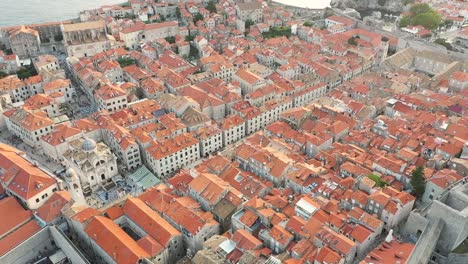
(60, 134)
(19, 235)
(21, 176)
(245, 240)
(52, 208)
(389, 253)
(327, 255)
(85, 214)
(280, 234)
(248, 76)
(167, 147)
(150, 221)
(183, 210)
(114, 241)
(56, 84)
(209, 186)
(13, 215)
(30, 121)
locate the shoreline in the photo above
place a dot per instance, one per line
(299, 6)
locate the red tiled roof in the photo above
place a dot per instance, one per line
(150, 221)
(245, 240)
(18, 236)
(85, 214)
(13, 215)
(114, 241)
(21, 176)
(52, 208)
(387, 253)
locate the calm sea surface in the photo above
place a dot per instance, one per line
(14, 12)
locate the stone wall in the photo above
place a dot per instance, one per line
(385, 5)
(458, 258)
(47, 240)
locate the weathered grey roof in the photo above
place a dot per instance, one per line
(249, 6)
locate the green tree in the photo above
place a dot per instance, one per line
(277, 32)
(430, 20)
(443, 42)
(249, 23)
(407, 2)
(378, 181)
(197, 17)
(447, 23)
(308, 24)
(194, 53)
(382, 2)
(130, 16)
(211, 6)
(189, 38)
(405, 21)
(26, 72)
(424, 15)
(418, 181)
(420, 9)
(3, 74)
(170, 39)
(162, 18)
(124, 62)
(178, 13)
(352, 41)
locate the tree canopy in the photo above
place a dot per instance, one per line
(26, 72)
(189, 38)
(178, 13)
(352, 41)
(277, 32)
(424, 15)
(308, 24)
(194, 53)
(443, 42)
(249, 23)
(124, 62)
(211, 6)
(197, 17)
(378, 181)
(418, 181)
(420, 8)
(170, 39)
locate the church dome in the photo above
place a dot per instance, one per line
(70, 173)
(88, 145)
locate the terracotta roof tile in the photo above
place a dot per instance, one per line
(114, 241)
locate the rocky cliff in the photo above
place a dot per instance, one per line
(393, 6)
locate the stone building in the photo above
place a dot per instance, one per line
(94, 163)
(441, 227)
(85, 39)
(252, 11)
(25, 42)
